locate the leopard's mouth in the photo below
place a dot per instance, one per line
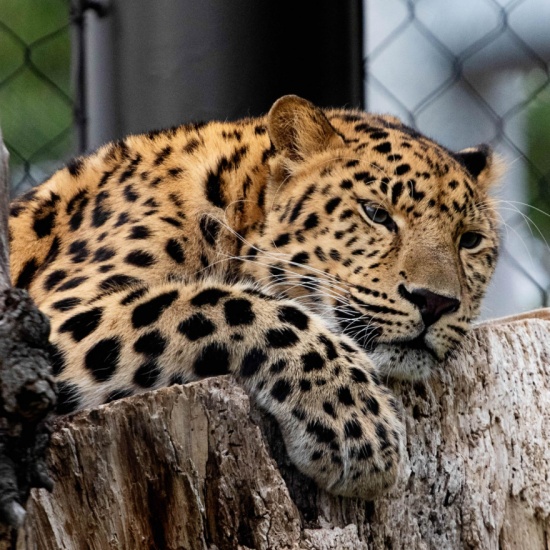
(372, 342)
(370, 335)
(418, 343)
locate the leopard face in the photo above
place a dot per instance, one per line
(389, 236)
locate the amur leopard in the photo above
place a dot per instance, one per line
(310, 253)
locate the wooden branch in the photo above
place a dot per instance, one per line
(186, 467)
(26, 387)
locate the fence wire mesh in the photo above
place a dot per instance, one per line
(477, 71)
(36, 98)
(464, 72)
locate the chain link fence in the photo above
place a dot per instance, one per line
(36, 96)
(473, 71)
(461, 71)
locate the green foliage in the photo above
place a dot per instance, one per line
(35, 89)
(539, 156)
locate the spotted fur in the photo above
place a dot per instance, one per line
(308, 253)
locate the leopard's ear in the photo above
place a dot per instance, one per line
(298, 128)
(482, 164)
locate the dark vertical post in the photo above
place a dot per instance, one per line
(79, 109)
(79, 13)
(181, 60)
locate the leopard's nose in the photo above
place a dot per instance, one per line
(432, 306)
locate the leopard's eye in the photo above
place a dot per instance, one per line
(470, 239)
(378, 215)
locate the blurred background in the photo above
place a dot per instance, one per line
(75, 74)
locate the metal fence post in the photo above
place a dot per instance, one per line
(156, 64)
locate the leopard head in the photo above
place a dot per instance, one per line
(389, 236)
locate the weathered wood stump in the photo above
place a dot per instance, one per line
(187, 467)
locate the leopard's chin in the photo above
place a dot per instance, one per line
(404, 360)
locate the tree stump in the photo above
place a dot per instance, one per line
(191, 468)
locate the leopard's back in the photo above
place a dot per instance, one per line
(148, 208)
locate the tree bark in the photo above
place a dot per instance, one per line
(27, 392)
(192, 467)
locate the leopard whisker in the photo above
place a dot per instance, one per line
(321, 274)
(279, 256)
(313, 287)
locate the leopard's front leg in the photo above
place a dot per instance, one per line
(341, 427)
